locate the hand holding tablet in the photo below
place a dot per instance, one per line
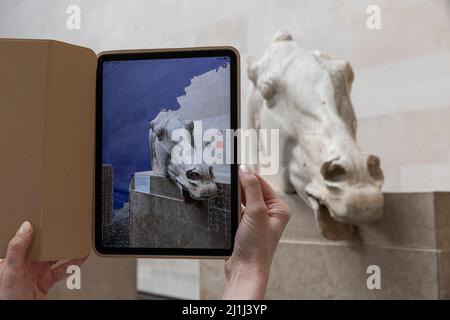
(263, 221)
(165, 165)
(247, 270)
(22, 279)
(166, 174)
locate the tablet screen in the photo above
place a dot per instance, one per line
(165, 154)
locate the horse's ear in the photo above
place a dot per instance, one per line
(151, 125)
(159, 133)
(282, 35)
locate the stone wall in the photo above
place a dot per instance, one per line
(410, 244)
(159, 217)
(115, 222)
(107, 192)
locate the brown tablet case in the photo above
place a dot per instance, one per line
(47, 136)
(47, 145)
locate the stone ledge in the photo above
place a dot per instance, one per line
(410, 220)
(322, 271)
(410, 244)
(155, 184)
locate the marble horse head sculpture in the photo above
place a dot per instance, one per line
(306, 95)
(196, 181)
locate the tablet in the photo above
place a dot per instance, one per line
(165, 168)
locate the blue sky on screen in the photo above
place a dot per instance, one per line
(134, 92)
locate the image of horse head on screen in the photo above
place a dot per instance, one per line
(150, 199)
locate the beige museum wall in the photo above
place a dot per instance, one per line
(402, 86)
(401, 92)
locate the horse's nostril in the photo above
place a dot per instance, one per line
(333, 171)
(373, 165)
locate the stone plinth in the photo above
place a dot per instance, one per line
(159, 218)
(410, 244)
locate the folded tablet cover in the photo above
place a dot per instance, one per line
(47, 119)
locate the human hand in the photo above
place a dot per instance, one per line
(263, 221)
(21, 279)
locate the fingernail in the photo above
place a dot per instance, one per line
(25, 227)
(244, 168)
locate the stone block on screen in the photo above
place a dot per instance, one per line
(159, 218)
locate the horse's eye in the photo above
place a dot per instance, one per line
(267, 89)
(193, 175)
(159, 132)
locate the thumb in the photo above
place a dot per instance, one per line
(18, 246)
(251, 187)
